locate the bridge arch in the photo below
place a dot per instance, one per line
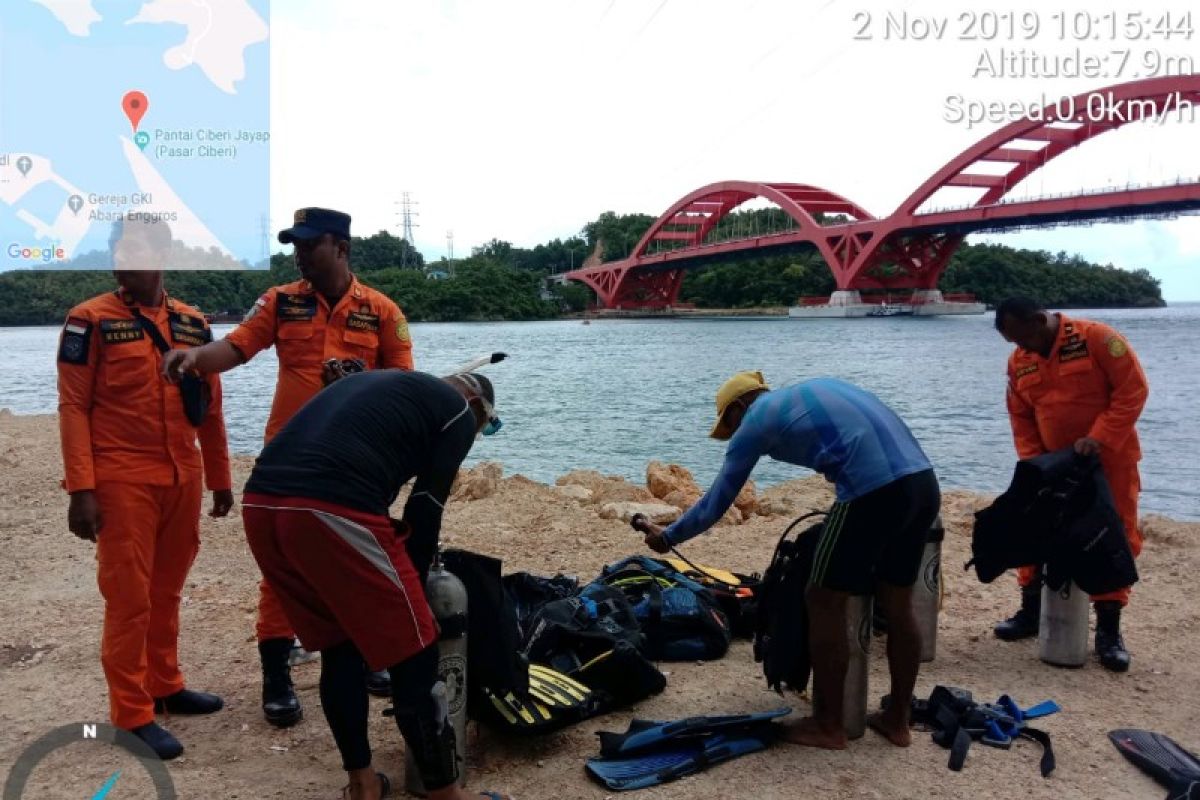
(908, 239)
(1130, 103)
(692, 218)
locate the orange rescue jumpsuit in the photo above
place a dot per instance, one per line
(365, 324)
(125, 436)
(1091, 386)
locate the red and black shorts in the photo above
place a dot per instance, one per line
(340, 574)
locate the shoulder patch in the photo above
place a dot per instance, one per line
(402, 331)
(76, 341)
(1117, 347)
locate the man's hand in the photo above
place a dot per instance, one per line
(336, 369)
(331, 371)
(1087, 446)
(83, 515)
(654, 533)
(657, 542)
(222, 500)
(176, 363)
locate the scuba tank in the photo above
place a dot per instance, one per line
(927, 593)
(858, 631)
(447, 599)
(1063, 627)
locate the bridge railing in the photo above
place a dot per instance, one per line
(1009, 200)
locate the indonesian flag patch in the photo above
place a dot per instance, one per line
(76, 340)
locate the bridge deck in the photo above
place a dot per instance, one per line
(1124, 204)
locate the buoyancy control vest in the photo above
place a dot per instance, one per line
(1057, 511)
(781, 635)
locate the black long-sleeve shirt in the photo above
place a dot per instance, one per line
(359, 440)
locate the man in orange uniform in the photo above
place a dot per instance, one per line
(328, 314)
(1073, 382)
(134, 475)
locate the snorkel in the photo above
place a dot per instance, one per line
(463, 373)
(482, 361)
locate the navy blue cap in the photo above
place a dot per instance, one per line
(309, 223)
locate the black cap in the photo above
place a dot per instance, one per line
(309, 223)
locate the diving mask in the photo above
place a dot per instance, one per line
(493, 424)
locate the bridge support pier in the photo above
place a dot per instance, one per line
(922, 296)
(845, 297)
(931, 303)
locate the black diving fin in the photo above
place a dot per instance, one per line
(518, 712)
(1163, 759)
(558, 690)
(553, 700)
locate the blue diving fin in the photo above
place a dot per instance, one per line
(680, 758)
(1042, 709)
(648, 734)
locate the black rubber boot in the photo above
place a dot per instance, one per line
(280, 704)
(186, 701)
(379, 683)
(1024, 623)
(1110, 647)
(164, 745)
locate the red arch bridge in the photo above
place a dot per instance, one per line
(907, 249)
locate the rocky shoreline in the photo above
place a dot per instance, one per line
(50, 674)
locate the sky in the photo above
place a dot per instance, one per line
(525, 119)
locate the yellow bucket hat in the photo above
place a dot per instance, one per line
(731, 390)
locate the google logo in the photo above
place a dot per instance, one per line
(36, 253)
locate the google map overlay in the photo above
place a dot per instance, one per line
(115, 110)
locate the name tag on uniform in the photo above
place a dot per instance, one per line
(119, 331)
(363, 321)
(295, 307)
(187, 329)
(1071, 352)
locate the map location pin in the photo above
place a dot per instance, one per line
(75, 202)
(24, 164)
(135, 104)
(141, 138)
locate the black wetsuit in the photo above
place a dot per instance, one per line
(359, 440)
(355, 444)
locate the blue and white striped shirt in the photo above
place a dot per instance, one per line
(843, 432)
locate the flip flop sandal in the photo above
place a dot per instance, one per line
(493, 795)
(385, 786)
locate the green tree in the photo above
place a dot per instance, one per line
(618, 234)
(502, 281)
(383, 250)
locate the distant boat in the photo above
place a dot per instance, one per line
(890, 310)
(224, 317)
(844, 304)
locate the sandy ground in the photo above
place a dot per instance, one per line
(50, 675)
